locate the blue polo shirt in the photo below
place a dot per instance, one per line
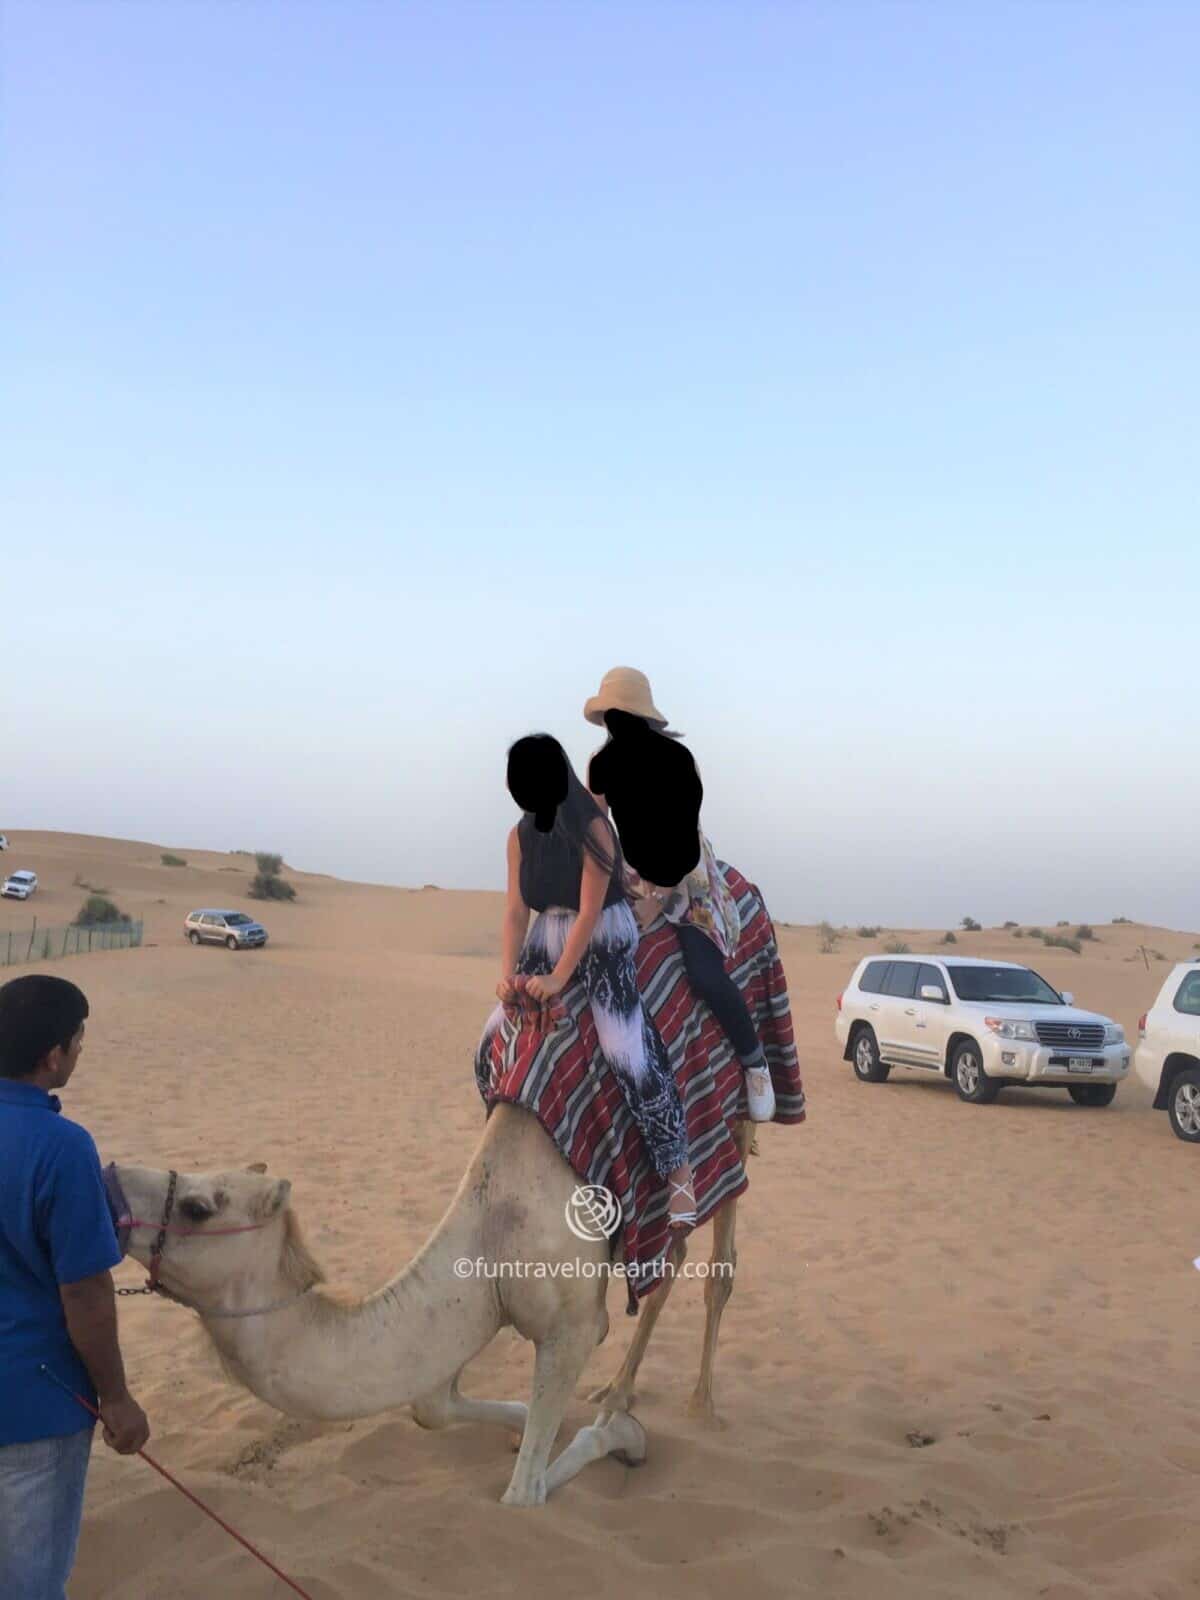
(55, 1228)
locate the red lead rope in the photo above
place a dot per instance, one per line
(208, 1512)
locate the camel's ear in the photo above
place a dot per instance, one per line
(276, 1198)
(257, 1166)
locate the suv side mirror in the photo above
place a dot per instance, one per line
(930, 991)
(1068, 999)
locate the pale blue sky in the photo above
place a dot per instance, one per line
(385, 372)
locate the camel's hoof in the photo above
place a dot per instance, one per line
(535, 1496)
(631, 1452)
(702, 1410)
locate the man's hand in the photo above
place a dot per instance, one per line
(126, 1429)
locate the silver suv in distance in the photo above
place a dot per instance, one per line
(234, 929)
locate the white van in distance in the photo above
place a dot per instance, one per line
(1168, 1055)
(983, 1024)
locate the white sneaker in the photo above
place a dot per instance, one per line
(760, 1095)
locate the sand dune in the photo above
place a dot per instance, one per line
(1011, 1283)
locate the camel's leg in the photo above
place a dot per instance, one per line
(618, 1395)
(446, 1405)
(560, 1359)
(612, 1434)
(717, 1288)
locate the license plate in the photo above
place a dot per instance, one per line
(1079, 1063)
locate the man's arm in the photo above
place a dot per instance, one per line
(90, 1308)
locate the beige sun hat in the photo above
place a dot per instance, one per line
(624, 689)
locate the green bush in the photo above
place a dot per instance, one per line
(970, 925)
(1011, 925)
(1017, 934)
(263, 886)
(948, 938)
(97, 911)
(266, 883)
(1084, 932)
(867, 933)
(1117, 921)
(1036, 933)
(896, 947)
(168, 860)
(1059, 941)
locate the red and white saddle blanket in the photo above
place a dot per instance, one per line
(560, 1075)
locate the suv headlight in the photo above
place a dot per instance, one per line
(1113, 1034)
(1007, 1029)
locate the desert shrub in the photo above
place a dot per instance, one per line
(827, 936)
(1118, 921)
(266, 883)
(97, 910)
(867, 933)
(1084, 932)
(1036, 933)
(896, 947)
(970, 925)
(1017, 934)
(264, 886)
(1063, 924)
(948, 938)
(1060, 941)
(1010, 925)
(1158, 955)
(168, 860)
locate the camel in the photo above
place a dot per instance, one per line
(316, 1357)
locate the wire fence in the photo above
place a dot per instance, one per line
(49, 944)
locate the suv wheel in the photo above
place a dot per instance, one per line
(865, 1056)
(231, 943)
(1183, 1108)
(194, 937)
(971, 1081)
(1092, 1094)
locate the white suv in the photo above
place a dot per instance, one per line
(1168, 1056)
(19, 885)
(982, 1024)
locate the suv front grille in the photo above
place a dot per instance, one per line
(1071, 1035)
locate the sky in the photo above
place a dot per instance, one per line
(379, 375)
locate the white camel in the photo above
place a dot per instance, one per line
(235, 1254)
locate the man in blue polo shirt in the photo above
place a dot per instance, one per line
(57, 1307)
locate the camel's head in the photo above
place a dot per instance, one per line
(223, 1225)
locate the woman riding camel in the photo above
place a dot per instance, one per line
(564, 862)
(649, 782)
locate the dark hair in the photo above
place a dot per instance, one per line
(545, 785)
(36, 1014)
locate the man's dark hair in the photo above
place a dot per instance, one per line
(36, 1014)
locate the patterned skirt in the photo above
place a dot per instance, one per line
(629, 1041)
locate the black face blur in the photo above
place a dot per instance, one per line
(621, 724)
(537, 777)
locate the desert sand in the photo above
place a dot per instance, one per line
(1011, 1283)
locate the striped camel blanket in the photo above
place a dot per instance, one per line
(559, 1074)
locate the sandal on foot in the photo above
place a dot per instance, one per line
(687, 1218)
(760, 1094)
